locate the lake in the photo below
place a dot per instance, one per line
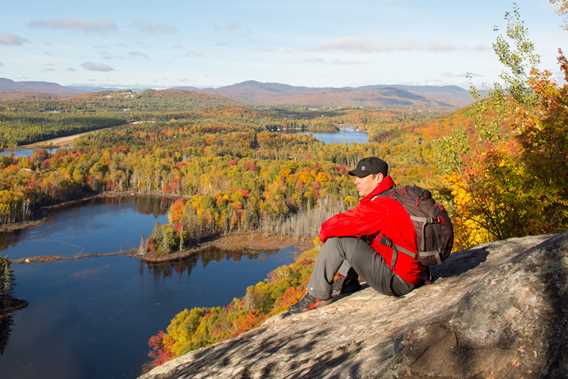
(92, 318)
(20, 153)
(344, 136)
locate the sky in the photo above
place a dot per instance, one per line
(315, 43)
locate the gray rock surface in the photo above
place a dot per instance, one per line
(496, 311)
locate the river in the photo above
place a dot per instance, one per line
(92, 318)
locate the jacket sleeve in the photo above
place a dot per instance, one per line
(363, 220)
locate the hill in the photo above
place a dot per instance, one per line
(277, 94)
(123, 101)
(13, 89)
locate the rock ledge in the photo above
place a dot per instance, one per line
(499, 310)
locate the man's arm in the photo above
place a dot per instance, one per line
(363, 220)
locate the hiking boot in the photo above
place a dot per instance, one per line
(307, 303)
(345, 285)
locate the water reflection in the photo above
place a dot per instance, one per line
(154, 206)
(94, 226)
(9, 239)
(91, 318)
(8, 304)
(5, 330)
(185, 266)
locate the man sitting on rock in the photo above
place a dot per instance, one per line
(354, 243)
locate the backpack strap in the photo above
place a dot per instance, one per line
(395, 250)
(431, 253)
(388, 242)
(423, 221)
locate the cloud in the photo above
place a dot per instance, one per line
(48, 70)
(74, 24)
(461, 75)
(1, 64)
(106, 56)
(71, 69)
(278, 50)
(101, 67)
(333, 61)
(194, 54)
(315, 60)
(354, 45)
(12, 40)
(233, 26)
(345, 62)
(138, 54)
(152, 28)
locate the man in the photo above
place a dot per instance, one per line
(357, 242)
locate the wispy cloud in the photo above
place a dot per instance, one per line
(346, 62)
(12, 39)
(71, 69)
(1, 64)
(138, 54)
(96, 26)
(106, 56)
(153, 28)
(315, 60)
(232, 26)
(101, 67)
(278, 50)
(460, 75)
(355, 45)
(194, 54)
(49, 69)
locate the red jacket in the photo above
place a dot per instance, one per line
(374, 218)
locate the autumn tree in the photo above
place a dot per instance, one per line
(513, 186)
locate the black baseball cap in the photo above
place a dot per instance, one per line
(369, 166)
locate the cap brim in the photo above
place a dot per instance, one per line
(358, 174)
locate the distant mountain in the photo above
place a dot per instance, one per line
(31, 88)
(259, 93)
(277, 94)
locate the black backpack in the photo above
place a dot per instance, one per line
(434, 230)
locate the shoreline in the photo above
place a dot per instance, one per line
(251, 241)
(7, 228)
(236, 241)
(114, 195)
(14, 227)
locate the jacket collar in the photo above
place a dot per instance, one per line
(383, 186)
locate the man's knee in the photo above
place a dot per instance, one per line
(330, 244)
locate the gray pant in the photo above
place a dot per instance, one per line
(339, 254)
